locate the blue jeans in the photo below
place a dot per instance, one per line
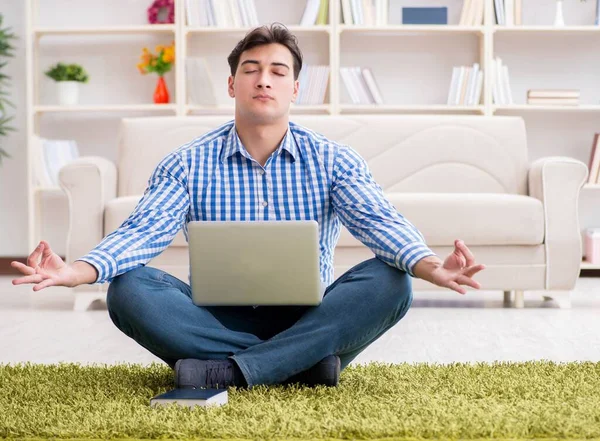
(268, 343)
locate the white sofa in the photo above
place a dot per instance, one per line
(464, 177)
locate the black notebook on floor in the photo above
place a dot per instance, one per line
(191, 397)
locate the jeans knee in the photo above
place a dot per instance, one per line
(124, 288)
(394, 285)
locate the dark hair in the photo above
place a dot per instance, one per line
(276, 33)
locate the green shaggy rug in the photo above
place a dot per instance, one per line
(375, 401)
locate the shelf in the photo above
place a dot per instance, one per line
(591, 186)
(299, 109)
(403, 29)
(586, 265)
(549, 108)
(383, 108)
(296, 29)
(38, 190)
(547, 29)
(106, 108)
(107, 30)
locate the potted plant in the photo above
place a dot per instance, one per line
(159, 63)
(6, 51)
(68, 77)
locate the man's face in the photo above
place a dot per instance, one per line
(264, 85)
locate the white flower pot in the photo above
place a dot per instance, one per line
(68, 93)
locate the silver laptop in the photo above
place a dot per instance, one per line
(254, 263)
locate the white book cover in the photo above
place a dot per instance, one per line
(463, 13)
(367, 6)
(345, 74)
(200, 82)
(499, 6)
(507, 89)
(234, 13)
(372, 85)
(361, 12)
(472, 85)
(477, 99)
(210, 12)
(311, 84)
(461, 77)
(301, 85)
(325, 85)
(509, 9)
(480, 13)
(188, 13)
(500, 82)
(244, 15)
(253, 13)
(347, 12)
(41, 173)
(452, 87)
(311, 12)
(494, 83)
(363, 93)
(203, 12)
(318, 84)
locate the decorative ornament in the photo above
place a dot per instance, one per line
(164, 7)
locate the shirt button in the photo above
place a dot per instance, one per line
(261, 172)
(265, 203)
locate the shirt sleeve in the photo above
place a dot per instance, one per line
(371, 218)
(151, 227)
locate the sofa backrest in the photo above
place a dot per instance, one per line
(406, 153)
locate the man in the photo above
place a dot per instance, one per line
(259, 167)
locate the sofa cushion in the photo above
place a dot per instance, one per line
(118, 210)
(476, 218)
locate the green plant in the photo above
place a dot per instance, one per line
(6, 51)
(67, 72)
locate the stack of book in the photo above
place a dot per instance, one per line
(361, 86)
(315, 13)
(472, 13)
(364, 12)
(221, 13)
(508, 12)
(501, 90)
(553, 97)
(465, 86)
(594, 163)
(313, 84)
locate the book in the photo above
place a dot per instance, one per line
(425, 15)
(594, 162)
(554, 101)
(553, 93)
(191, 397)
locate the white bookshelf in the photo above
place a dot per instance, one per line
(416, 83)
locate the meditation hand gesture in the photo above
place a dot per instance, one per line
(50, 271)
(458, 269)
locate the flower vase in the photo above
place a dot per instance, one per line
(161, 93)
(559, 19)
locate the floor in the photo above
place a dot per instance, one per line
(441, 327)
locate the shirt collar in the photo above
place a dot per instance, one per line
(233, 144)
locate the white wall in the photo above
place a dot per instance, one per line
(533, 61)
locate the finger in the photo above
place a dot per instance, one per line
(32, 260)
(47, 251)
(464, 280)
(45, 284)
(34, 278)
(456, 287)
(466, 252)
(471, 271)
(22, 267)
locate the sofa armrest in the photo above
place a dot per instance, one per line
(89, 182)
(556, 182)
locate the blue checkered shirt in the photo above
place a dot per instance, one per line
(308, 177)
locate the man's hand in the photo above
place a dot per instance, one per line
(456, 270)
(51, 270)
